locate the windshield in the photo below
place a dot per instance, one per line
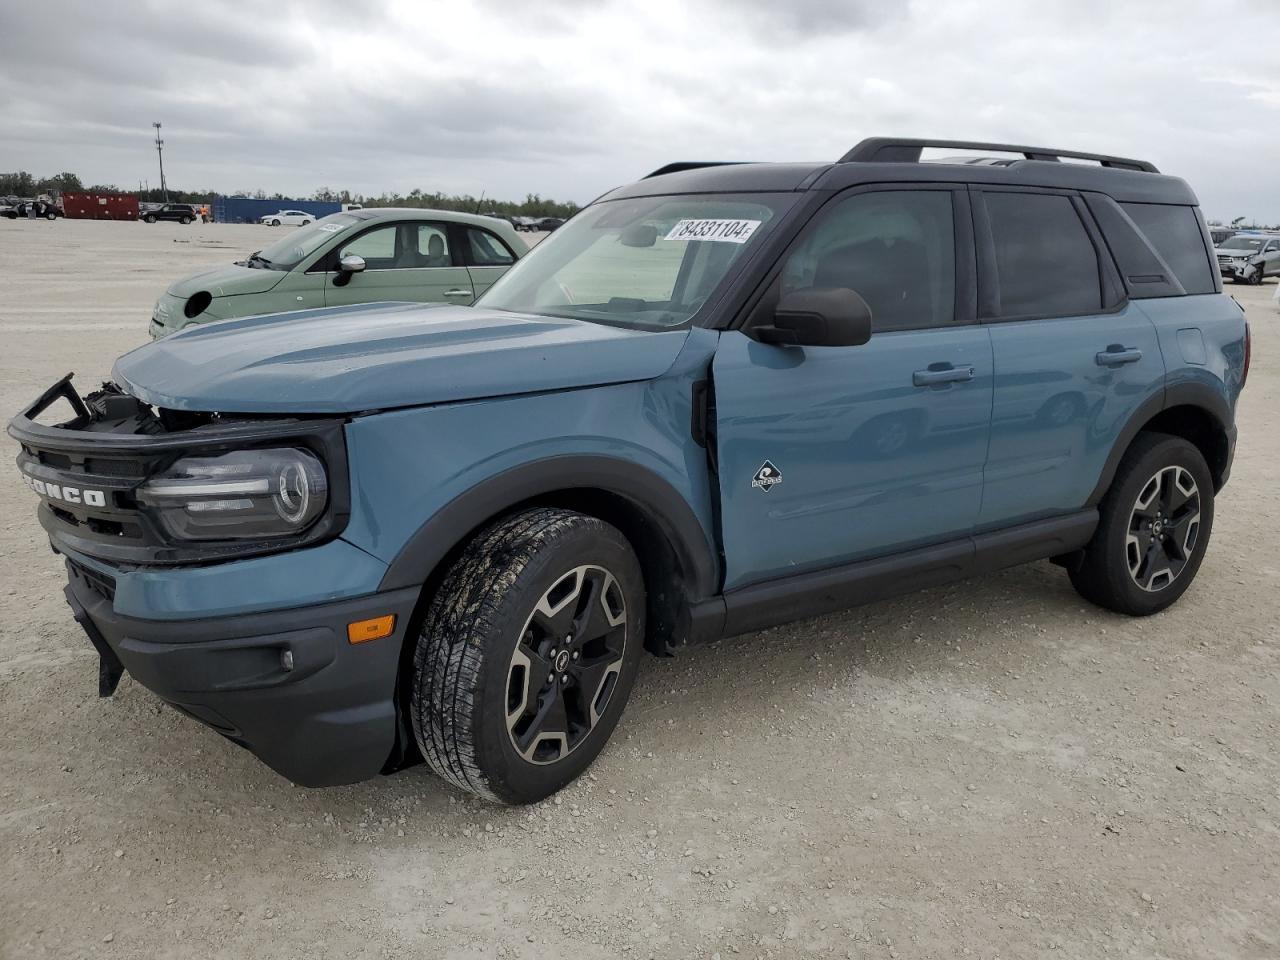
(295, 246)
(1241, 243)
(644, 262)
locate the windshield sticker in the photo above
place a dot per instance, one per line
(332, 227)
(723, 231)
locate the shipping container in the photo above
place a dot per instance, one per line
(99, 206)
(251, 210)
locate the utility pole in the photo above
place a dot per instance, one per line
(160, 153)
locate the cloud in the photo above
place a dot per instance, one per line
(570, 97)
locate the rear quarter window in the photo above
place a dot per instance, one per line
(1175, 233)
(1045, 262)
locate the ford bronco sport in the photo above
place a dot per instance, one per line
(724, 397)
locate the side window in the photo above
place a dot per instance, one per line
(1174, 232)
(487, 250)
(896, 249)
(433, 246)
(377, 247)
(1045, 262)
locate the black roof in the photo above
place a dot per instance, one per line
(888, 160)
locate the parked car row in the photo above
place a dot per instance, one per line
(14, 207)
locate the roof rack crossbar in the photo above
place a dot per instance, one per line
(893, 150)
(681, 165)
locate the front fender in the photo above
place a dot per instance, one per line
(666, 507)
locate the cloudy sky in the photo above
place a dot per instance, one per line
(569, 97)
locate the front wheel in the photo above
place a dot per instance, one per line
(1255, 279)
(150, 218)
(527, 654)
(275, 223)
(1153, 528)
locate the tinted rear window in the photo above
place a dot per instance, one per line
(1175, 233)
(1045, 262)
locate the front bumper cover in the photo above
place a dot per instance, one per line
(285, 684)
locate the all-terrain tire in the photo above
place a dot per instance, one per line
(465, 672)
(1106, 576)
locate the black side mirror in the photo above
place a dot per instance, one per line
(818, 317)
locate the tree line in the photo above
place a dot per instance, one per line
(24, 184)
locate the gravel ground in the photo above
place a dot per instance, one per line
(992, 769)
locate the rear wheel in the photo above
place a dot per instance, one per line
(527, 654)
(51, 216)
(184, 220)
(1153, 528)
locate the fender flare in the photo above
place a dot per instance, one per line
(1184, 394)
(660, 502)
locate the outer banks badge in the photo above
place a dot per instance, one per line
(766, 477)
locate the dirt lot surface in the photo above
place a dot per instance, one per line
(992, 769)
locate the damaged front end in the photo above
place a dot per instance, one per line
(129, 485)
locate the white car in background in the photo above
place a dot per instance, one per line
(290, 218)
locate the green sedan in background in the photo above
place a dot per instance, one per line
(358, 256)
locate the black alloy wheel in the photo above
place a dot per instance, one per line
(526, 654)
(565, 666)
(1154, 524)
(1164, 526)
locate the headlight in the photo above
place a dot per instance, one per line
(243, 495)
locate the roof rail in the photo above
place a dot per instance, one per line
(681, 165)
(894, 150)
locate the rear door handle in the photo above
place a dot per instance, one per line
(939, 373)
(1116, 354)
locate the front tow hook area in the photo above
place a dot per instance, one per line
(110, 669)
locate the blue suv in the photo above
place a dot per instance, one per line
(721, 398)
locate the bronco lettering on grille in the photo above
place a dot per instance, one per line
(75, 495)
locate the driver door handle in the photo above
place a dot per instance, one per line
(457, 293)
(941, 373)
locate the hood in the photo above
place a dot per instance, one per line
(228, 281)
(378, 356)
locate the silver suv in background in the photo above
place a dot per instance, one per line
(1249, 257)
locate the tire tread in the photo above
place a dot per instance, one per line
(451, 650)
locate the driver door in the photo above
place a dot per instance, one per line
(408, 261)
(833, 454)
